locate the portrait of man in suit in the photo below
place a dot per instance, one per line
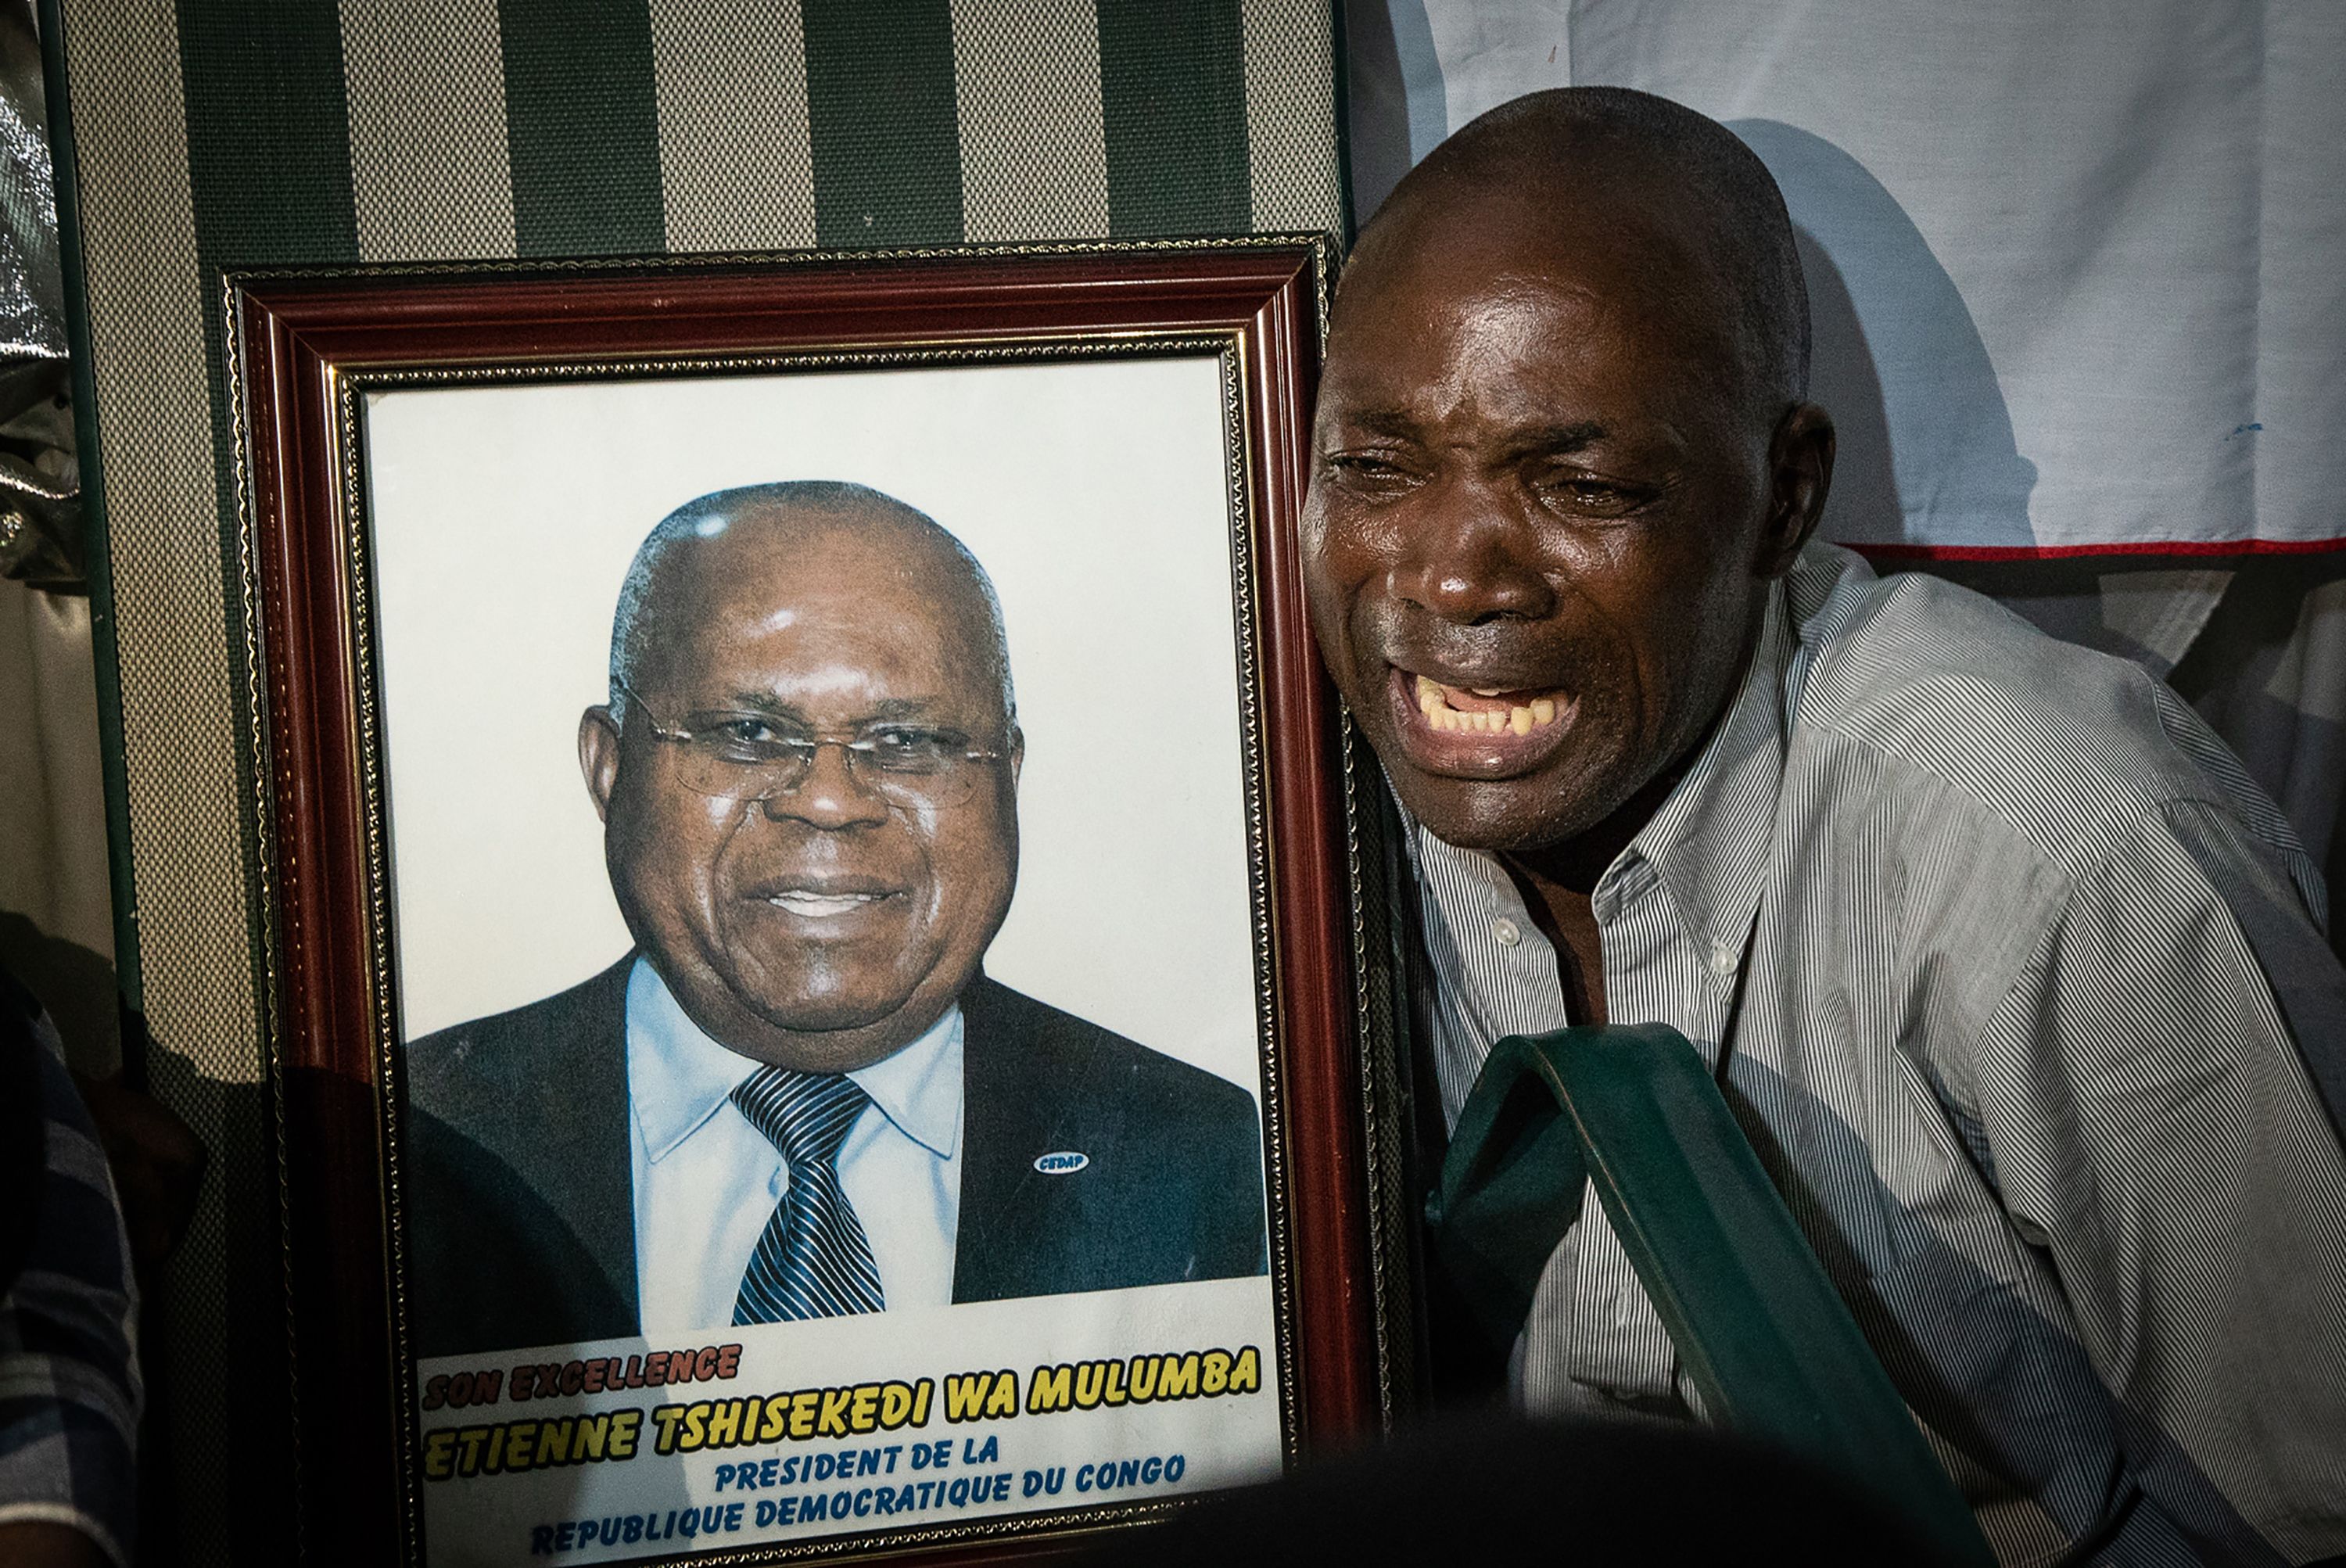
(799, 1095)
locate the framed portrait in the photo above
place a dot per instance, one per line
(816, 928)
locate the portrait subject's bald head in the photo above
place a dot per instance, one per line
(808, 768)
(755, 523)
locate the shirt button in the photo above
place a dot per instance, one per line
(1722, 959)
(1506, 932)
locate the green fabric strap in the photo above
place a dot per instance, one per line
(1768, 1345)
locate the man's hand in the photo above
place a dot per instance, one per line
(37, 1544)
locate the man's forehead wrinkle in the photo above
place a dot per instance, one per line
(1514, 374)
(1525, 257)
(1583, 195)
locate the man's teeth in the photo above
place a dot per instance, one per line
(809, 903)
(1520, 718)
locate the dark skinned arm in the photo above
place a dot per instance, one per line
(37, 1544)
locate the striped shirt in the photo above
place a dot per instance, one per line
(1996, 953)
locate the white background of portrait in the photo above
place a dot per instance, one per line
(1092, 493)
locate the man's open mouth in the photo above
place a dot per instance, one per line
(825, 903)
(1479, 731)
(1474, 710)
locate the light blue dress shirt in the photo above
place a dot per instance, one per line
(706, 1181)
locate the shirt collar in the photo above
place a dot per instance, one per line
(1708, 843)
(919, 1087)
(678, 1076)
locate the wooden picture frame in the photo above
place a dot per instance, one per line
(321, 357)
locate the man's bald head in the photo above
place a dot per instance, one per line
(779, 513)
(1561, 452)
(1607, 166)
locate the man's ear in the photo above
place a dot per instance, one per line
(599, 756)
(1800, 476)
(1018, 753)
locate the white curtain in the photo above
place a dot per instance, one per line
(57, 925)
(2079, 271)
(2079, 280)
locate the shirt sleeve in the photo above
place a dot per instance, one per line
(2149, 1111)
(69, 1385)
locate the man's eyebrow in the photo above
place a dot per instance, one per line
(760, 702)
(1380, 421)
(1555, 438)
(1529, 441)
(763, 702)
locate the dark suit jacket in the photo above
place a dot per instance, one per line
(520, 1214)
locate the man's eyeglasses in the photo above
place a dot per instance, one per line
(743, 757)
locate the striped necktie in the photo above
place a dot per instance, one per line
(814, 1260)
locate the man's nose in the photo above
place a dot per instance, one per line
(827, 794)
(1467, 553)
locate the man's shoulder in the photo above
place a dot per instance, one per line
(519, 1162)
(2061, 744)
(459, 1071)
(1930, 671)
(1051, 1046)
(1170, 1158)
